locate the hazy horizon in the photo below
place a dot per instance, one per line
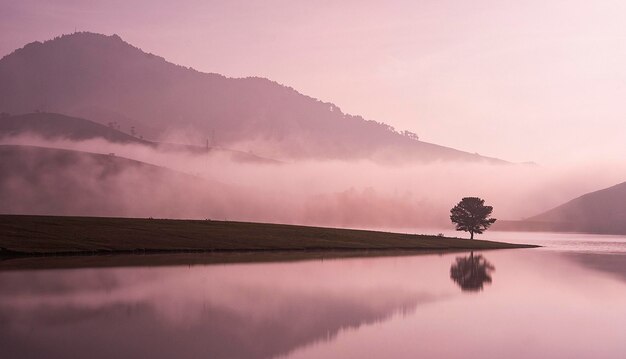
(336, 167)
(536, 81)
(337, 193)
(312, 179)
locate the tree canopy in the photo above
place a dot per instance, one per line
(471, 215)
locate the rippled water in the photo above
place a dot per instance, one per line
(566, 300)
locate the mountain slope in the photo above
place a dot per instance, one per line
(54, 126)
(106, 79)
(57, 126)
(602, 212)
(39, 180)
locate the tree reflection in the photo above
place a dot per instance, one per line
(471, 272)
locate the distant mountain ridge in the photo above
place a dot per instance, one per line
(106, 79)
(54, 126)
(602, 212)
(41, 180)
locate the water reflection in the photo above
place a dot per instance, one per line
(614, 263)
(471, 272)
(393, 307)
(233, 311)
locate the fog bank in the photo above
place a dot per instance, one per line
(329, 193)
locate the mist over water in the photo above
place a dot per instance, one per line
(215, 185)
(561, 301)
(355, 114)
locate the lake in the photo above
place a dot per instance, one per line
(566, 300)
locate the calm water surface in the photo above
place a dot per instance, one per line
(566, 300)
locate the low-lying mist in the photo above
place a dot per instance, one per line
(214, 185)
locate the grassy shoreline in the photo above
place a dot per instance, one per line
(22, 235)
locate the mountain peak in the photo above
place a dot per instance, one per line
(78, 43)
(84, 37)
(87, 36)
(103, 78)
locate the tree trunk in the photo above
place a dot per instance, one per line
(471, 235)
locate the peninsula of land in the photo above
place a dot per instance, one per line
(57, 235)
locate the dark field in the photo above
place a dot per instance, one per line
(83, 235)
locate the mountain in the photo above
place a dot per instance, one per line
(32, 163)
(108, 80)
(602, 212)
(54, 126)
(39, 180)
(57, 126)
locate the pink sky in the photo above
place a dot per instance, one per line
(533, 80)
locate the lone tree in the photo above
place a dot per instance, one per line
(471, 215)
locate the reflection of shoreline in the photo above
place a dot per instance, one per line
(238, 311)
(613, 264)
(471, 273)
(200, 258)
